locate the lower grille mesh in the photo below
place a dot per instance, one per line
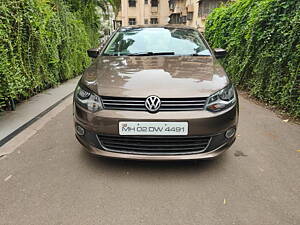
(160, 145)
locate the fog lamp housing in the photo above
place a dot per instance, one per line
(79, 130)
(230, 133)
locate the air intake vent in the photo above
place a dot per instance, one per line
(154, 145)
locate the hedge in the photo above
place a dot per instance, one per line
(42, 43)
(263, 43)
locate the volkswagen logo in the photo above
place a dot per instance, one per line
(152, 103)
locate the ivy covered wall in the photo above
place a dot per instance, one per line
(42, 43)
(263, 43)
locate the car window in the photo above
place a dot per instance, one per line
(179, 41)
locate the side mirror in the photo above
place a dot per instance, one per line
(93, 52)
(220, 53)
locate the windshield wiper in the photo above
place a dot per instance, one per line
(195, 54)
(150, 53)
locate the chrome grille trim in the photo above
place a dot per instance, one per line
(167, 104)
(154, 145)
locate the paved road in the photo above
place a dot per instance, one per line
(49, 179)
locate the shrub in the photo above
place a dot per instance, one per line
(42, 43)
(263, 43)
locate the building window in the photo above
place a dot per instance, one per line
(154, 21)
(146, 21)
(146, 2)
(190, 16)
(132, 3)
(154, 3)
(206, 6)
(175, 18)
(183, 19)
(172, 4)
(132, 21)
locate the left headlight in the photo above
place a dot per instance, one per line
(222, 99)
(87, 99)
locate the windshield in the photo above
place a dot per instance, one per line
(156, 41)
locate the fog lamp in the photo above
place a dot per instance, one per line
(230, 133)
(79, 130)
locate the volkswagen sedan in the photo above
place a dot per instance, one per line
(156, 93)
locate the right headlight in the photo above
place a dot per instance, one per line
(222, 99)
(88, 99)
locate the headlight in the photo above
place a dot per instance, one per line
(87, 99)
(222, 99)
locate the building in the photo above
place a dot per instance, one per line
(138, 12)
(192, 12)
(189, 12)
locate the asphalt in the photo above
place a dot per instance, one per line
(48, 178)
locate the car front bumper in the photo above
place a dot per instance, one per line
(201, 124)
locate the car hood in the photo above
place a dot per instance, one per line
(164, 76)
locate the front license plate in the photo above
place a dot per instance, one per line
(153, 128)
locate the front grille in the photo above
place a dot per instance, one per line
(167, 104)
(160, 145)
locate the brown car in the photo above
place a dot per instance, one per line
(156, 93)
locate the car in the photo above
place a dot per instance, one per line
(156, 93)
